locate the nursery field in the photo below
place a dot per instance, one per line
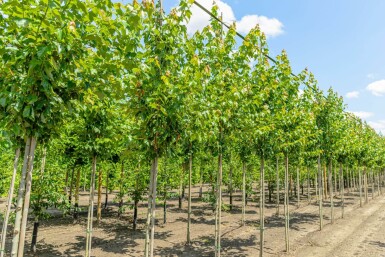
(124, 134)
(360, 233)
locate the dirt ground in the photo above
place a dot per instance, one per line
(360, 233)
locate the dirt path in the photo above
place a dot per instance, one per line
(361, 233)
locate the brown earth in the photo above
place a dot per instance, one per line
(360, 233)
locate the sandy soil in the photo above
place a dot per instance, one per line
(359, 234)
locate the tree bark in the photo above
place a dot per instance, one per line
(219, 207)
(36, 223)
(76, 211)
(150, 225)
(9, 203)
(189, 201)
(262, 207)
(99, 211)
(330, 182)
(286, 205)
(27, 196)
(277, 184)
(243, 192)
(20, 200)
(320, 194)
(91, 209)
(360, 185)
(298, 195)
(342, 193)
(106, 193)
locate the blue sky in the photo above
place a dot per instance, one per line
(341, 41)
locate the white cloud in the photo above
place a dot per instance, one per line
(199, 19)
(379, 126)
(270, 26)
(377, 88)
(353, 94)
(363, 115)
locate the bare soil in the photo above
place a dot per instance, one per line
(360, 233)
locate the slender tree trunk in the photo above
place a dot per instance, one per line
(325, 183)
(27, 196)
(36, 223)
(378, 184)
(372, 176)
(286, 206)
(76, 211)
(135, 221)
(366, 185)
(330, 182)
(91, 209)
(219, 207)
(243, 192)
(231, 186)
(308, 185)
(298, 195)
(320, 194)
(189, 201)
(181, 187)
(20, 200)
(277, 184)
(34, 235)
(360, 185)
(201, 183)
(150, 231)
(71, 185)
(165, 206)
(262, 207)
(121, 193)
(9, 203)
(106, 193)
(99, 212)
(342, 193)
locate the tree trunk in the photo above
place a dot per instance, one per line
(231, 186)
(342, 193)
(91, 209)
(308, 185)
(320, 194)
(135, 221)
(76, 211)
(181, 187)
(165, 206)
(330, 182)
(243, 192)
(262, 207)
(298, 195)
(325, 183)
(36, 223)
(277, 184)
(121, 193)
(189, 201)
(106, 193)
(201, 183)
(150, 225)
(34, 235)
(286, 205)
(219, 207)
(99, 212)
(20, 200)
(71, 185)
(366, 185)
(360, 185)
(27, 196)
(9, 203)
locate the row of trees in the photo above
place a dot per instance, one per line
(123, 92)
